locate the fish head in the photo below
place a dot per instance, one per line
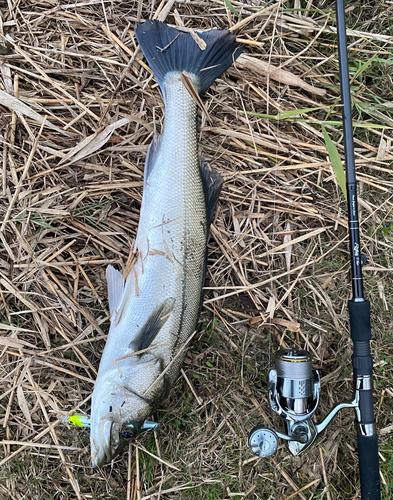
(121, 403)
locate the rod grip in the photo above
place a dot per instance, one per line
(369, 467)
(359, 316)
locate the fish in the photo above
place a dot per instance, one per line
(154, 312)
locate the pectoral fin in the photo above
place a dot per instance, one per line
(153, 325)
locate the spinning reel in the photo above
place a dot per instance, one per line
(294, 395)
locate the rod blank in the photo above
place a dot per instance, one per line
(359, 308)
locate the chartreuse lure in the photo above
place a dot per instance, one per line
(84, 421)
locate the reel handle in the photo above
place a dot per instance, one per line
(263, 439)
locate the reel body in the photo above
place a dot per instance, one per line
(294, 395)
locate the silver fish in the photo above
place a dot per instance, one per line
(155, 311)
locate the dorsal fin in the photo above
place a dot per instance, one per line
(153, 325)
(212, 184)
(115, 288)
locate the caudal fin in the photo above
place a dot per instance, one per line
(169, 50)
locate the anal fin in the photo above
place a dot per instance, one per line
(151, 157)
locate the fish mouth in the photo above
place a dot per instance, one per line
(101, 450)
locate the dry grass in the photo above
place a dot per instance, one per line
(278, 265)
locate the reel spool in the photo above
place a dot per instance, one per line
(293, 389)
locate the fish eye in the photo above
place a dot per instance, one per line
(127, 435)
(128, 432)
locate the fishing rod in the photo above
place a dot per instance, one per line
(293, 386)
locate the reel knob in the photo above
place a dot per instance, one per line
(263, 441)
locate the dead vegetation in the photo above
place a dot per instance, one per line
(79, 108)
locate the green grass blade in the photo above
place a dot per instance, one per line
(231, 8)
(285, 115)
(336, 161)
(296, 112)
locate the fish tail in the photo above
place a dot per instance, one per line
(205, 56)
